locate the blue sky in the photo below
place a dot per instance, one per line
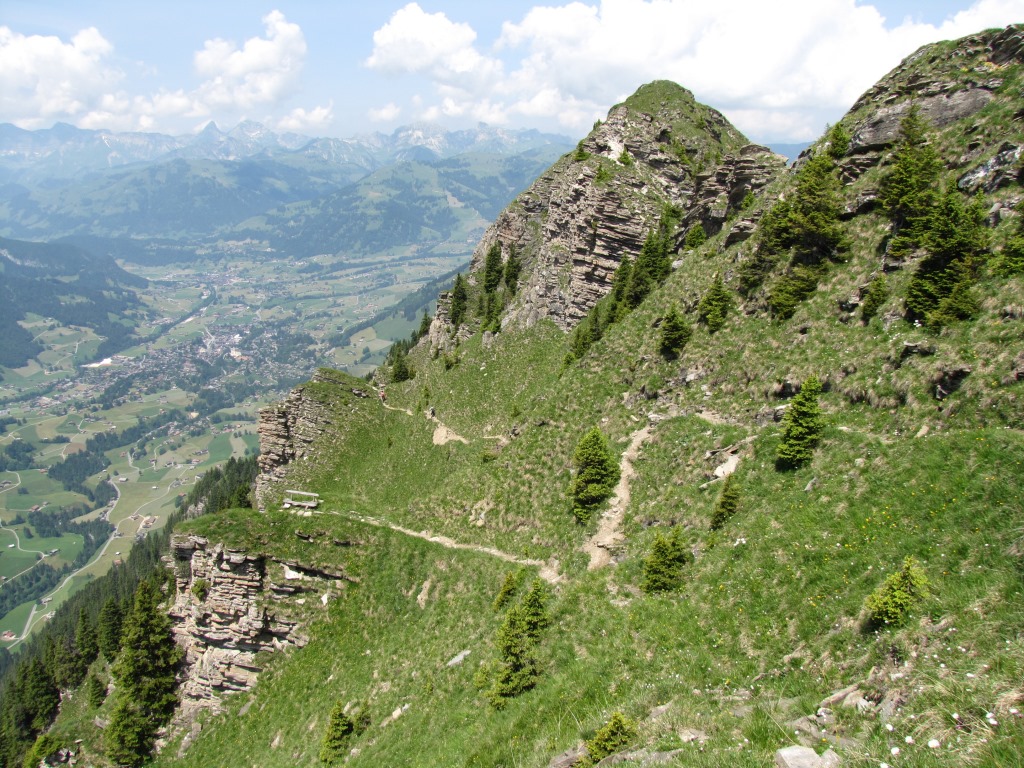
(779, 70)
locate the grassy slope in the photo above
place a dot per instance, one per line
(770, 618)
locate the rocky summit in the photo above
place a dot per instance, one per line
(705, 461)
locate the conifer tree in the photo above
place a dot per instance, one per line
(535, 610)
(145, 677)
(596, 474)
(875, 296)
(37, 697)
(86, 641)
(424, 328)
(663, 566)
(909, 191)
(66, 665)
(802, 427)
(838, 142)
(457, 312)
(339, 728)
(492, 268)
(96, 690)
(513, 268)
(695, 236)
(939, 289)
(714, 305)
(518, 668)
(611, 737)
(620, 281)
(400, 369)
(727, 504)
(675, 333)
(642, 275)
(817, 205)
(108, 632)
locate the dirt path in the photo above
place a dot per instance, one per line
(442, 434)
(609, 529)
(548, 570)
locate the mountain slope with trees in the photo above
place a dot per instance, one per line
(820, 540)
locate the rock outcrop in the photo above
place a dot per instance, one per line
(221, 622)
(288, 430)
(947, 86)
(575, 224)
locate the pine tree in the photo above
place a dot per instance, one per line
(109, 630)
(620, 281)
(339, 728)
(86, 640)
(955, 242)
(400, 369)
(145, 677)
(518, 666)
(817, 205)
(675, 333)
(513, 268)
(457, 312)
(424, 328)
(909, 192)
(801, 427)
(838, 142)
(96, 690)
(875, 296)
(663, 566)
(66, 665)
(535, 610)
(714, 305)
(695, 236)
(596, 474)
(727, 504)
(38, 697)
(492, 268)
(610, 738)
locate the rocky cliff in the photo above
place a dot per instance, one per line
(229, 606)
(574, 225)
(288, 430)
(221, 620)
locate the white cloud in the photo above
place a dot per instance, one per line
(779, 70)
(416, 42)
(300, 120)
(263, 71)
(43, 79)
(384, 114)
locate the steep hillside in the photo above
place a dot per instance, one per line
(798, 523)
(63, 282)
(767, 641)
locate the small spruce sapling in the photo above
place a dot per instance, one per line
(96, 691)
(675, 333)
(513, 580)
(874, 297)
(663, 566)
(695, 236)
(890, 604)
(714, 305)
(518, 668)
(802, 427)
(614, 736)
(339, 728)
(457, 312)
(596, 474)
(728, 504)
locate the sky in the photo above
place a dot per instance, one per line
(780, 70)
